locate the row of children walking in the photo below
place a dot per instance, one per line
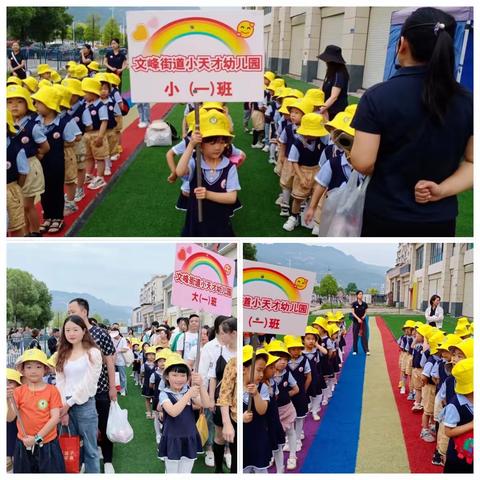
(62, 136)
(283, 383)
(436, 369)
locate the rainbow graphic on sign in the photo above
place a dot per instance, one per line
(201, 259)
(209, 27)
(279, 280)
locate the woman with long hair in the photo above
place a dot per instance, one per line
(78, 367)
(121, 346)
(434, 312)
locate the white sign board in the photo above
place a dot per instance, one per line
(276, 299)
(193, 56)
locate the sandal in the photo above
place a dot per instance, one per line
(44, 227)
(55, 226)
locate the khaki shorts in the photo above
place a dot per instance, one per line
(408, 363)
(298, 191)
(92, 152)
(15, 212)
(437, 409)
(417, 378)
(442, 439)
(428, 398)
(112, 138)
(401, 361)
(119, 126)
(258, 120)
(80, 150)
(286, 177)
(35, 182)
(70, 164)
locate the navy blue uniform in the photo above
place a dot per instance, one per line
(300, 400)
(148, 370)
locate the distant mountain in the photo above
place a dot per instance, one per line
(322, 260)
(114, 313)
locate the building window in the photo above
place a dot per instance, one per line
(267, 10)
(469, 246)
(436, 253)
(419, 258)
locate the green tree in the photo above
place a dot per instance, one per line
(18, 22)
(351, 287)
(80, 30)
(49, 23)
(328, 286)
(249, 251)
(92, 30)
(372, 291)
(97, 317)
(29, 299)
(111, 29)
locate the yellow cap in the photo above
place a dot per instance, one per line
(292, 341)
(295, 92)
(74, 86)
(462, 321)
(164, 353)
(271, 359)
(49, 96)
(55, 77)
(309, 330)
(174, 359)
(65, 95)
(71, 63)
(275, 83)
(43, 68)
(52, 361)
(269, 76)
(216, 105)
(15, 91)
(435, 341)
(277, 346)
(14, 375)
(424, 329)
(333, 329)
(303, 104)
(247, 353)
(287, 102)
(114, 79)
(465, 346)
(95, 66)
(31, 83)
(33, 355)
(214, 123)
(330, 316)
(102, 77)
(151, 350)
(190, 118)
(339, 315)
(312, 125)
(10, 123)
(316, 96)
(351, 109)
(14, 81)
(408, 324)
(462, 330)
(44, 83)
(341, 122)
(91, 85)
(463, 373)
(450, 340)
(79, 71)
(321, 322)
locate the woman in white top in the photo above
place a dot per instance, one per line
(78, 367)
(121, 346)
(434, 313)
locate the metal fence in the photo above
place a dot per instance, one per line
(17, 345)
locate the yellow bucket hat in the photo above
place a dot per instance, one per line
(12, 80)
(351, 109)
(49, 96)
(44, 83)
(321, 322)
(409, 324)
(274, 84)
(424, 329)
(282, 92)
(74, 86)
(462, 330)
(287, 102)
(271, 359)
(71, 63)
(309, 330)
(269, 76)
(10, 123)
(435, 341)
(91, 85)
(65, 95)
(303, 104)
(247, 353)
(471, 328)
(102, 77)
(331, 316)
(215, 105)
(277, 346)
(316, 96)
(114, 79)
(312, 125)
(31, 83)
(190, 118)
(333, 329)
(15, 91)
(164, 353)
(465, 346)
(95, 66)
(79, 71)
(292, 341)
(297, 93)
(174, 359)
(14, 375)
(55, 77)
(339, 315)
(33, 355)
(341, 122)
(214, 123)
(52, 361)
(463, 373)
(462, 321)
(151, 350)
(43, 68)
(450, 340)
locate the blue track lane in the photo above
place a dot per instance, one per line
(334, 449)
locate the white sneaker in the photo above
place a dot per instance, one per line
(427, 436)
(100, 453)
(286, 447)
(299, 445)
(158, 437)
(82, 468)
(123, 394)
(89, 178)
(402, 391)
(278, 201)
(79, 194)
(316, 416)
(99, 182)
(272, 161)
(291, 223)
(266, 148)
(291, 463)
(69, 208)
(257, 145)
(325, 402)
(107, 172)
(115, 157)
(354, 353)
(142, 125)
(316, 230)
(209, 459)
(368, 354)
(284, 211)
(228, 460)
(108, 468)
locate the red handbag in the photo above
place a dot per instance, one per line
(70, 446)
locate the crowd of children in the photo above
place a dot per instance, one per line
(287, 381)
(62, 134)
(436, 369)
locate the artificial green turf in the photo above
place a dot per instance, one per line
(395, 322)
(140, 455)
(142, 203)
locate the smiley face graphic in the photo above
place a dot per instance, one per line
(245, 29)
(301, 283)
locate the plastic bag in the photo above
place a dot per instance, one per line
(158, 134)
(118, 428)
(128, 357)
(202, 427)
(342, 214)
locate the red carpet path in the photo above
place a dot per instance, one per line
(132, 138)
(419, 452)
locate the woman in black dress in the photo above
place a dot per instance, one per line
(17, 62)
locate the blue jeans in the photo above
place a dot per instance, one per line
(122, 371)
(144, 112)
(84, 422)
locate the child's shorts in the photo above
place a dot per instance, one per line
(298, 191)
(408, 363)
(70, 164)
(35, 181)
(92, 152)
(438, 407)
(442, 440)
(286, 177)
(119, 126)
(258, 120)
(417, 378)
(16, 215)
(401, 361)
(46, 459)
(428, 398)
(112, 140)
(80, 151)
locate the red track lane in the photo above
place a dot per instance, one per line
(132, 137)
(419, 452)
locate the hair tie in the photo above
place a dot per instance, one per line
(438, 26)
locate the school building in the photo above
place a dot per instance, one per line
(155, 298)
(294, 36)
(425, 269)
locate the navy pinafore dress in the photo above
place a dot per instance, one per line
(156, 391)
(283, 388)
(324, 360)
(300, 400)
(275, 429)
(146, 390)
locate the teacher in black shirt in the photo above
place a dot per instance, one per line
(115, 60)
(17, 62)
(360, 323)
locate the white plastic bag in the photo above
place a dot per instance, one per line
(128, 357)
(158, 134)
(118, 428)
(342, 214)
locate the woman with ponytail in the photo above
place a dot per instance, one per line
(414, 135)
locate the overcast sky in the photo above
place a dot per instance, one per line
(383, 254)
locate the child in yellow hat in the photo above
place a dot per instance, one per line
(44, 71)
(272, 116)
(404, 343)
(220, 184)
(14, 380)
(136, 363)
(326, 365)
(421, 331)
(123, 106)
(36, 407)
(156, 386)
(146, 371)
